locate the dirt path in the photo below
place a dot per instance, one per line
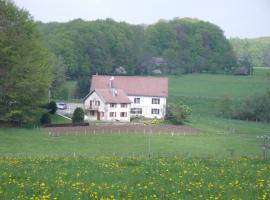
(155, 129)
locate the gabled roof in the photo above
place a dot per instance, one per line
(107, 97)
(133, 85)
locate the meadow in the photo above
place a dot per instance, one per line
(226, 163)
(133, 178)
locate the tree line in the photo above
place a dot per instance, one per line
(255, 51)
(183, 45)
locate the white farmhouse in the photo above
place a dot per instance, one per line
(119, 98)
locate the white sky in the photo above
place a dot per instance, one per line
(238, 18)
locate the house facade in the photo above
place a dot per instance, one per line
(119, 98)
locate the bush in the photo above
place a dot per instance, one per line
(78, 115)
(52, 107)
(255, 108)
(178, 113)
(45, 119)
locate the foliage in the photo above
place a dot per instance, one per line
(101, 46)
(134, 177)
(45, 119)
(257, 50)
(191, 46)
(178, 112)
(255, 108)
(52, 107)
(82, 86)
(78, 115)
(58, 90)
(25, 68)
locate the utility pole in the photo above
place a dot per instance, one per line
(264, 145)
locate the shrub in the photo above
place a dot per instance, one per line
(178, 113)
(52, 107)
(255, 108)
(45, 119)
(78, 115)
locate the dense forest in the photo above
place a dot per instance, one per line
(256, 51)
(167, 47)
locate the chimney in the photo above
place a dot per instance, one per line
(113, 90)
(111, 82)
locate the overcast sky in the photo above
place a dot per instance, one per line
(238, 18)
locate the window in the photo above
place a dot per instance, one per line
(136, 111)
(112, 114)
(137, 100)
(102, 114)
(123, 114)
(123, 105)
(155, 101)
(92, 113)
(97, 103)
(155, 111)
(113, 105)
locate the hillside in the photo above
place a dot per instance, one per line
(182, 45)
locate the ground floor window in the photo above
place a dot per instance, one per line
(102, 114)
(155, 111)
(112, 114)
(123, 114)
(135, 111)
(92, 113)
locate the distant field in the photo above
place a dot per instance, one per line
(216, 86)
(203, 91)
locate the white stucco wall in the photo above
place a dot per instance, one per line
(118, 110)
(147, 106)
(94, 97)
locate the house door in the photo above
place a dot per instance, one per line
(98, 115)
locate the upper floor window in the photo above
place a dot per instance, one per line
(113, 105)
(97, 103)
(155, 111)
(123, 105)
(137, 100)
(155, 101)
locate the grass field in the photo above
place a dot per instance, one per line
(224, 164)
(220, 142)
(133, 178)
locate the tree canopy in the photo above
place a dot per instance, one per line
(185, 45)
(24, 65)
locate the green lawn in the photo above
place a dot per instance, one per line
(57, 119)
(217, 144)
